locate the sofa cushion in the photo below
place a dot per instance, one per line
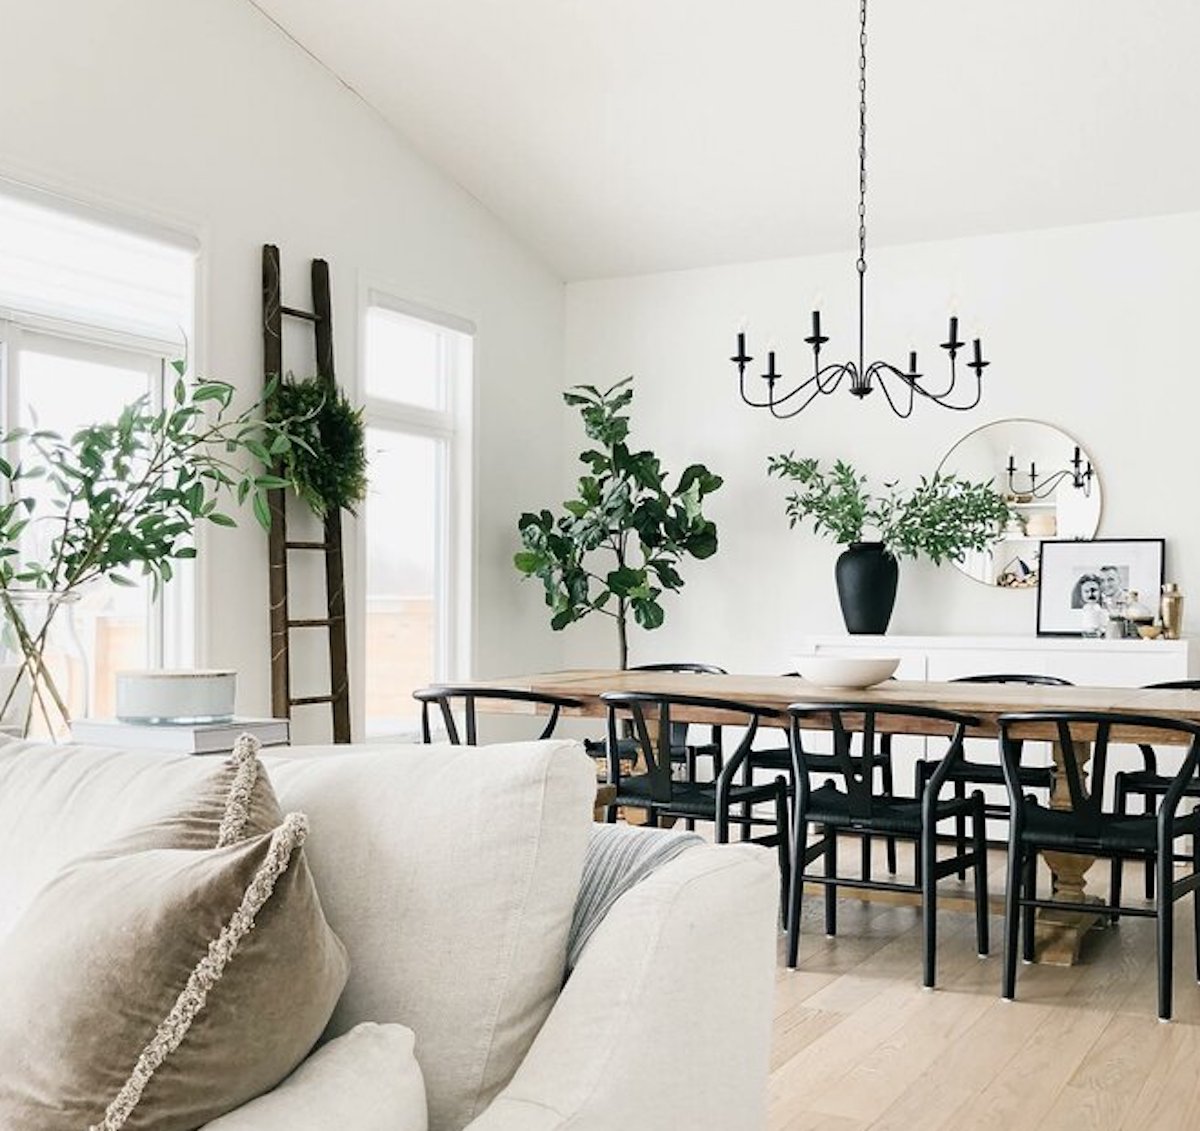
(366, 1080)
(450, 873)
(170, 976)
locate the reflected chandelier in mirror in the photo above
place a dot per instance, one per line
(1048, 478)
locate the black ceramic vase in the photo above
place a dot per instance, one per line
(866, 582)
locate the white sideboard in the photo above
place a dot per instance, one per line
(1100, 663)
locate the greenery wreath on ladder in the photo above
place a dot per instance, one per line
(328, 468)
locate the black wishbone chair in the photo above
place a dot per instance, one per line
(858, 809)
(681, 749)
(1090, 828)
(779, 758)
(659, 794)
(1150, 784)
(444, 696)
(969, 772)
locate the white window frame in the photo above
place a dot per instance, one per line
(453, 426)
(170, 617)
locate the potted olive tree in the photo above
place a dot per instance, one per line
(617, 545)
(940, 519)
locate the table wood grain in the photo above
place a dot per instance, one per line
(986, 702)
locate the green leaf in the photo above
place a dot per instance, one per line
(624, 580)
(527, 561)
(262, 510)
(219, 519)
(648, 613)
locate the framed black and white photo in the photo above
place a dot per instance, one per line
(1077, 577)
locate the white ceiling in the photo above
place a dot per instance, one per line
(623, 136)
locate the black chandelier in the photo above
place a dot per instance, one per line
(1080, 478)
(862, 377)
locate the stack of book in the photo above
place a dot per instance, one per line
(179, 738)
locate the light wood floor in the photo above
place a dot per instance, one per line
(859, 1044)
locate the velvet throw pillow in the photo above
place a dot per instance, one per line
(172, 976)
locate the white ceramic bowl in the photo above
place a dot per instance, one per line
(175, 696)
(846, 673)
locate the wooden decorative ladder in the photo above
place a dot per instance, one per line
(282, 622)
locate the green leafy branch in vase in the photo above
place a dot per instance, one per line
(942, 518)
(623, 511)
(121, 495)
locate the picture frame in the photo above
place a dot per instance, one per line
(1074, 573)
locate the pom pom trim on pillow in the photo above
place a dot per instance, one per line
(207, 973)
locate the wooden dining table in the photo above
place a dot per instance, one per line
(1060, 934)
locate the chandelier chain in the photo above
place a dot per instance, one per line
(862, 138)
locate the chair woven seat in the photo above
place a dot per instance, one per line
(831, 807)
(696, 799)
(627, 749)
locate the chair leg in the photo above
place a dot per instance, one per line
(1012, 915)
(690, 761)
(890, 789)
(1115, 884)
(783, 834)
(960, 830)
(747, 780)
(927, 850)
(981, 887)
(1166, 934)
(831, 889)
(866, 857)
(1029, 918)
(1196, 902)
(799, 847)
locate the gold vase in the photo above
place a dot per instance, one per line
(1171, 611)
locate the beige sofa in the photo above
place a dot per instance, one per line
(451, 875)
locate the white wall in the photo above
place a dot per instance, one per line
(1091, 328)
(200, 113)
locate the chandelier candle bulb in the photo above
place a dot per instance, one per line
(912, 363)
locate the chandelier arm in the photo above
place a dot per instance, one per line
(825, 379)
(812, 396)
(837, 370)
(1048, 486)
(942, 398)
(876, 373)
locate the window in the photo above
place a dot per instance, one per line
(417, 380)
(90, 316)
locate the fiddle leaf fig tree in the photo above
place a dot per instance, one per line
(618, 544)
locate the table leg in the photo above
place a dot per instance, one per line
(1059, 934)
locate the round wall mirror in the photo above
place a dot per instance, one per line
(1050, 482)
